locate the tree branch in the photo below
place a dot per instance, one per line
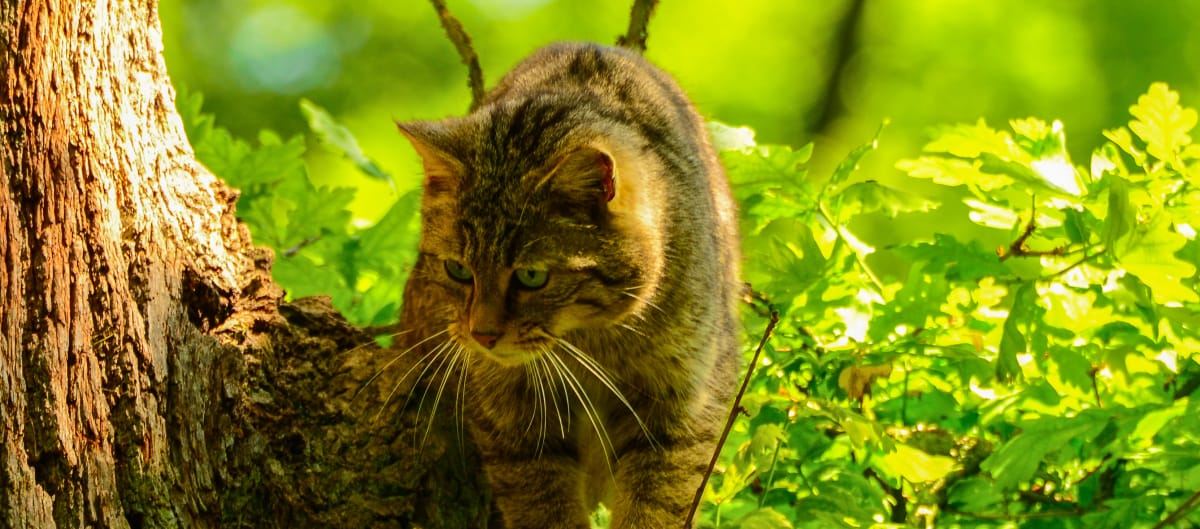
(462, 42)
(1020, 247)
(733, 413)
(1183, 510)
(846, 40)
(639, 17)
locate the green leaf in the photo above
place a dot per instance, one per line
(971, 141)
(789, 260)
(915, 465)
(395, 235)
(959, 261)
(1016, 461)
(763, 518)
(1120, 218)
(727, 138)
(1123, 139)
(763, 443)
(1075, 225)
(974, 494)
(953, 172)
(324, 212)
(770, 171)
(1024, 312)
(991, 163)
(849, 164)
(991, 215)
(1151, 257)
(340, 139)
(1162, 123)
(871, 196)
(918, 301)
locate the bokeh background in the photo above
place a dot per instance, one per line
(823, 71)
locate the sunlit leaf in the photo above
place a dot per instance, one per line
(849, 164)
(340, 139)
(871, 196)
(915, 465)
(1121, 216)
(953, 172)
(1151, 257)
(728, 138)
(1161, 122)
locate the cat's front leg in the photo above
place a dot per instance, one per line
(544, 492)
(656, 484)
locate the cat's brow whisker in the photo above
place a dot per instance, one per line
(394, 358)
(631, 329)
(601, 375)
(589, 409)
(648, 303)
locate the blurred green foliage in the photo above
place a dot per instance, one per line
(766, 64)
(980, 325)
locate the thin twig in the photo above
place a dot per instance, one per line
(300, 246)
(462, 42)
(1020, 247)
(639, 17)
(733, 413)
(1183, 510)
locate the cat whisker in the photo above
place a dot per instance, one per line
(437, 364)
(602, 376)
(544, 378)
(589, 409)
(534, 377)
(394, 359)
(433, 353)
(454, 356)
(461, 397)
(563, 426)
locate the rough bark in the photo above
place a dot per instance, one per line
(150, 375)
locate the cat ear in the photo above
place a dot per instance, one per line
(441, 169)
(586, 175)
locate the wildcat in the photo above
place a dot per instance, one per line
(578, 265)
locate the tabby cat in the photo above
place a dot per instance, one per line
(578, 265)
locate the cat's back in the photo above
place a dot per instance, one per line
(614, 81)
(569, 66)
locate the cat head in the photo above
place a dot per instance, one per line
(539, 220)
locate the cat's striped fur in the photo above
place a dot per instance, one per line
(579, 250)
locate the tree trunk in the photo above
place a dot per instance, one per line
(150, 375)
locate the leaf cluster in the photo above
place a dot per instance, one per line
(1049, 382)
(319, 248)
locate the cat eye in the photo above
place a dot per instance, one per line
(458, 271)
(532, 279)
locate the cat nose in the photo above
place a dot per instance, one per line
(487, 339)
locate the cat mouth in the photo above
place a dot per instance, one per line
(511, 354)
